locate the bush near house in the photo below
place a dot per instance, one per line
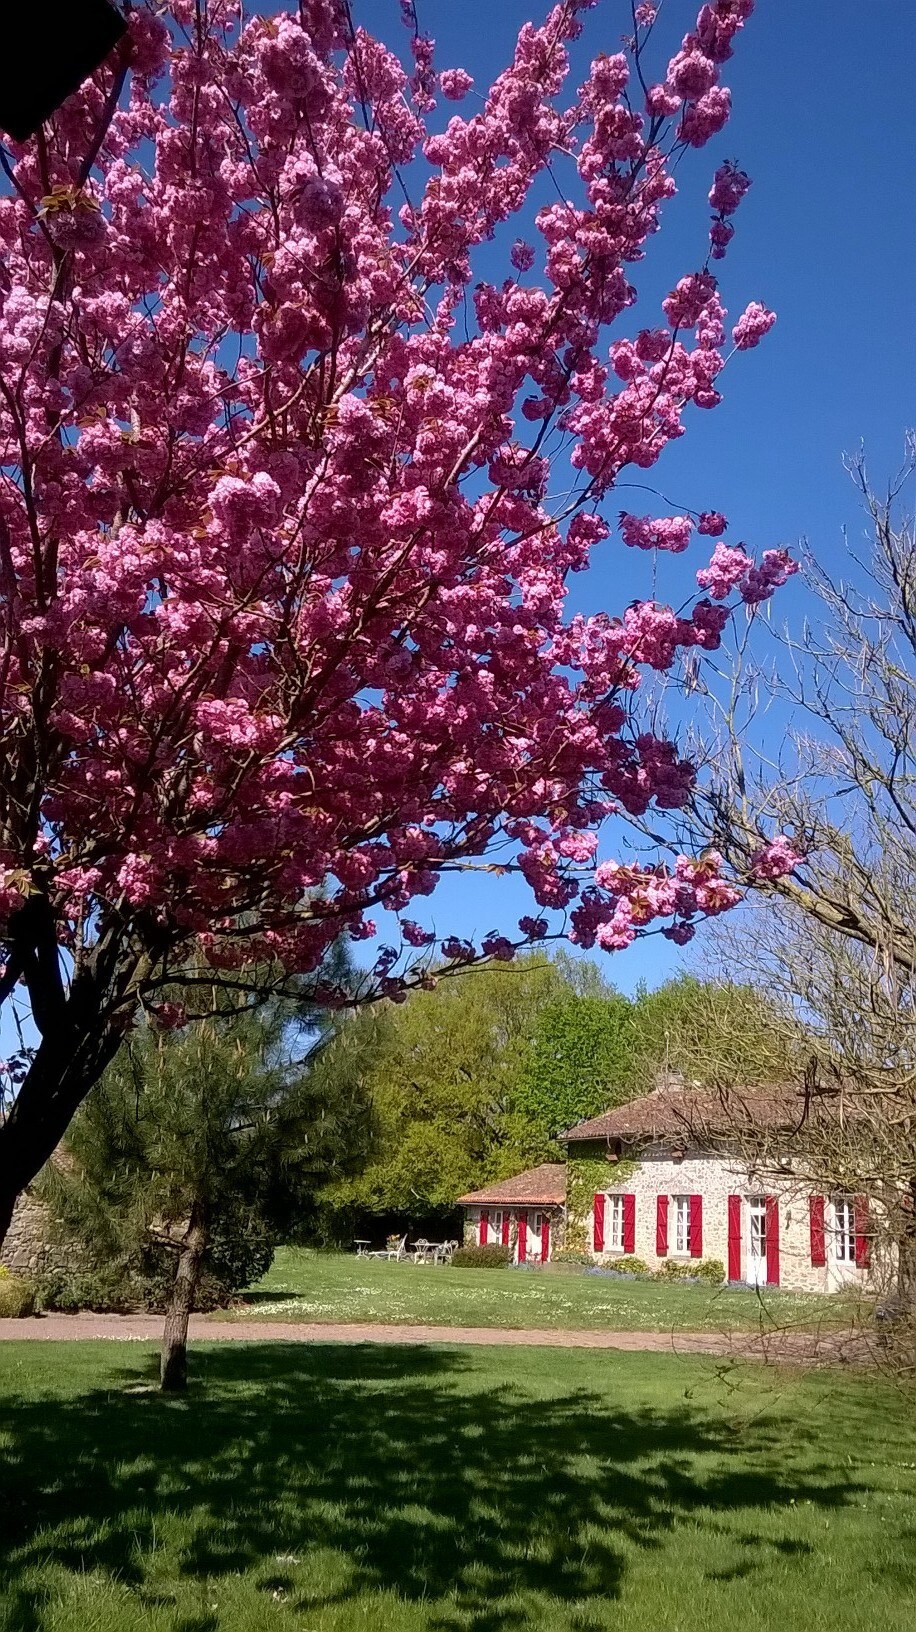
(490, 1257)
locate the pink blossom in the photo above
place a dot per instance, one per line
(728, 189)
(534, 929)
(773, 570)
(711, 523)
(455, 83)
(728, 566)
(663, 533)
(775, 859)
(754, 322)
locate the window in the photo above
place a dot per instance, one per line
(681, 1225)
(614, 1223)
(844, 1230)
(496, 1222)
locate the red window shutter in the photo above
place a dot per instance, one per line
(863, 1245)
(545, 1237)
(484, 1225)
(522, 1237)
(598, 1223)
(506, 1224)
(661, 1226)
(629, 1223)
(818, 1233)
(772, 1217)
(734, 1238)
(695, 1227)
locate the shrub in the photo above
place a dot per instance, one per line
(490, 1257)
(67, 1291)
(703, 1269)
(710, 1269)
(571, 1257)
(17, 1296)
(630, 1265)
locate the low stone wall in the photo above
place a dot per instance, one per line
(28, 1248)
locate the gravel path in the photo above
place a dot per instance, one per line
(783, 1346)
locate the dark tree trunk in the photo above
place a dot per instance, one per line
(173, 1371)
(81, 1032)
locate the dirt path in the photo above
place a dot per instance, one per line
(783, 1346)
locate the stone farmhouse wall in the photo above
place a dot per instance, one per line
(26, 1249)
(715, 1177)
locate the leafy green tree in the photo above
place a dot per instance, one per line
(443, 1072)
(195, 1154)
(708, 1031)
(580, 1062)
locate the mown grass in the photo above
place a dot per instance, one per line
(329, 1287)
(335, 1489)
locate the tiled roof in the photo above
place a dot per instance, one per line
(694, 1112)
(544, 1185)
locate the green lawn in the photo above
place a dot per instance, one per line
(335, 1489)
(326, 1286)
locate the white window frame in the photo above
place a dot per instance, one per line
(681, 1226)
(844, 1230)
(613, 1223)
(496, 1226)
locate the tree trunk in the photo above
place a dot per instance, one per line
(79, 1038)
(173, 1371)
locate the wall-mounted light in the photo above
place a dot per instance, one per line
(47, 49)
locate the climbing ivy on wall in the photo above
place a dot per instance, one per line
(588, 1171)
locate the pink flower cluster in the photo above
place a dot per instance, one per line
(775, 859)
(732, 568)
(283, 582)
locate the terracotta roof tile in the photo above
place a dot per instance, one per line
(694, 1112)
(544, 1185)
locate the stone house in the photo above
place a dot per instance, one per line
(672, 1176)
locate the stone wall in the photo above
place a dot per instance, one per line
(662, 1170)
(25, 1249)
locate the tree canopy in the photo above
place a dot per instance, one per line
(292, 489)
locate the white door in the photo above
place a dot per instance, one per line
(535, 1222)
(757, 1240)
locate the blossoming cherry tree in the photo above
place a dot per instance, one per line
(282, 568)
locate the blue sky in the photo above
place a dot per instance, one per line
(823, 120)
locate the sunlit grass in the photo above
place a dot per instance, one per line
(332, 1287)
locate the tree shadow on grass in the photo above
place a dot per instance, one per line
(474, 1501)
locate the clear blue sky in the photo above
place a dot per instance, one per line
(823, 120)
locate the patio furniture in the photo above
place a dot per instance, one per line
(396, 1253)
(361, 1246)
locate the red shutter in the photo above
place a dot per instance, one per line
(598, 1225)
(734, 1238)
(545, 1237)
(484, 1225)
(695, 1227)
(818, 1236)
(522, 1237)
(661, 1226)
(629, 1223)
(863, 1245)
(772, 1217)
(506, 1225)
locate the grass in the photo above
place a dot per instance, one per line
(327, 1286)
(335, 1489)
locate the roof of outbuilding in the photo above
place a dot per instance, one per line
(544, 1185)
(694, 1112)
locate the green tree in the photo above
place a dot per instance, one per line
(443, 1072)
(195, 1154)
(712, 1032)
(579, 1063)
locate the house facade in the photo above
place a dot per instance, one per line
(665, 1178)
(525, 1213)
